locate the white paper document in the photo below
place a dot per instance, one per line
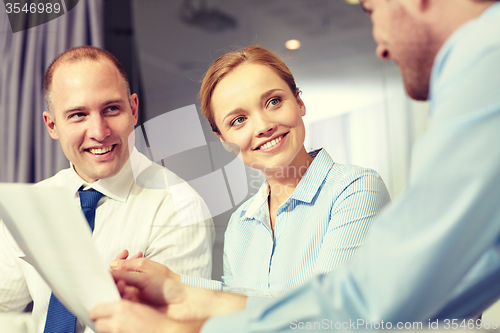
(53, 233)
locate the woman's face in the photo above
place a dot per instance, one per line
(255, 109)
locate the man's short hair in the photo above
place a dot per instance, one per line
(74, 55)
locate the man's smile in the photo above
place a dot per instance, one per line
(100, 151)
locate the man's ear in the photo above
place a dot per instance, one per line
(50, 123)
(134, 104)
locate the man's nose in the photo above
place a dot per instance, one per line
(98, 128)
(383, 53)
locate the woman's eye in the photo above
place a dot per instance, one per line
(274, 102)
(238, 121)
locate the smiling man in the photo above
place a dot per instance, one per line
(433, 254)
(92, 114)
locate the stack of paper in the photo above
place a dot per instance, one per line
(53, 233)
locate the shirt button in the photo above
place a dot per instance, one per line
(278, 235)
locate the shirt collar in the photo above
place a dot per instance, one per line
(307, 188)
(314, 177)
(258, 200)
(117, 187)
(447, 47)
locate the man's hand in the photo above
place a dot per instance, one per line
(137, 263)
(128, 317)
(177, 300)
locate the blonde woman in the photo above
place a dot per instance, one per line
(311, 214)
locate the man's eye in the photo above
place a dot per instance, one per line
(77, 115)
(112, 108)
(274, 102)
(238, 121)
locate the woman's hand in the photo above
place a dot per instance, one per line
(137, 263)
(177, 300)
(128, 317)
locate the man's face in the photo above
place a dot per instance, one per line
(403, 37)
(92, 118)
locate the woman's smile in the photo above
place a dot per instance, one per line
(273, 144)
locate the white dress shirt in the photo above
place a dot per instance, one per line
(171, 226)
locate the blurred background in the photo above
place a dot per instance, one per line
(356, 105)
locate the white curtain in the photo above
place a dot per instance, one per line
(27, 153)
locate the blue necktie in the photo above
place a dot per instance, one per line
(59, 319)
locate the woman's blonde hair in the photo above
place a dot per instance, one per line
(229, 61)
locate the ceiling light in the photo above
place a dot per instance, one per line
(352, 2)
(292, 44)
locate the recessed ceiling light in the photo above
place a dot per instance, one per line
(352, 2)
(292, 44)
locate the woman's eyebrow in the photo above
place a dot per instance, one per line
(235, 111)
(269, 93)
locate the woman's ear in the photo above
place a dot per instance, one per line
(300, 102)
(226, 145)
